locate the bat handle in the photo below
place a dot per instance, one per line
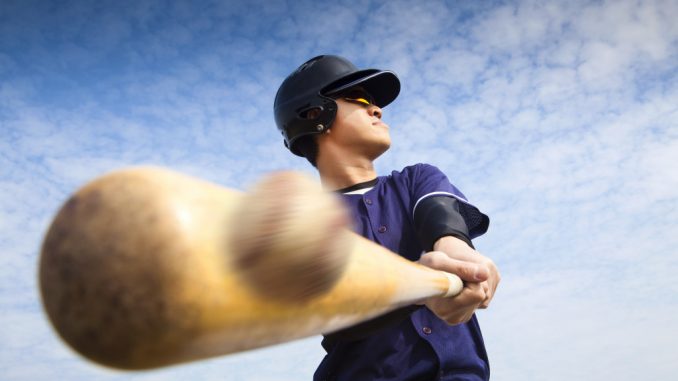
(455, 285)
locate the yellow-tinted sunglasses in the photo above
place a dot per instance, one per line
(360, 101)
(358, 96)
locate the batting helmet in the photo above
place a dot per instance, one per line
(312, 86)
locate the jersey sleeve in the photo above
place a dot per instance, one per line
(428, 181)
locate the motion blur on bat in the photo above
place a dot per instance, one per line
(146, 267)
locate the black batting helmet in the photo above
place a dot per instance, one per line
(312, 86)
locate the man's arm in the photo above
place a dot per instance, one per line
(444, 232)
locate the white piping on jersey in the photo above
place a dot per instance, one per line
(360, 191)
(438, 194)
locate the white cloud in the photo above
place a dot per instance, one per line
(558, 119)
(569, 330)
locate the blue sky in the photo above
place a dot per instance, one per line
(558, 119)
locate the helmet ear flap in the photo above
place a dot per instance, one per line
(308, 148)
(310, 113)
(326, 116)
(301, 125)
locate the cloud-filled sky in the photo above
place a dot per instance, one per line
(558, 119)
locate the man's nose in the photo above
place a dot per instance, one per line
(374, 110)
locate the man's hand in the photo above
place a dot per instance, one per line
(479, 273)
(470, 265)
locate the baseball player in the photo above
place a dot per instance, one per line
(329, 112)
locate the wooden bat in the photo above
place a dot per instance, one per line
(145, 267)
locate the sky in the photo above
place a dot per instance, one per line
(558, 119)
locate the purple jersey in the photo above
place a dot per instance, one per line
(421, 346)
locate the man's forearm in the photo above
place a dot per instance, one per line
(451, 244)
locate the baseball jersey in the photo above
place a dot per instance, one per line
(419, 346)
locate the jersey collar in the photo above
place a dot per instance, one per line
(360, 188)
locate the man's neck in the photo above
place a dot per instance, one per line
(339, 175)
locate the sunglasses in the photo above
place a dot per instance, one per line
(359, 97)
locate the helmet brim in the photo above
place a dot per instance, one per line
(382, 85)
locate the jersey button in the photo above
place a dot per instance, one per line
(368, 201)
(382, 229)
(427, 330)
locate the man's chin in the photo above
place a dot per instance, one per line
(380, 149)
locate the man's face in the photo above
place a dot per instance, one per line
(358, 125)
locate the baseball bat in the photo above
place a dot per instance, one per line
(146, 267)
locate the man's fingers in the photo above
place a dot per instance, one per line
(468, 271)
(472, 295)
(460, 308)
(488, 295)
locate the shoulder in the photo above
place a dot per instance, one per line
(417, 170)
(424, 180)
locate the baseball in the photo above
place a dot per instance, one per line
(289, 242)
